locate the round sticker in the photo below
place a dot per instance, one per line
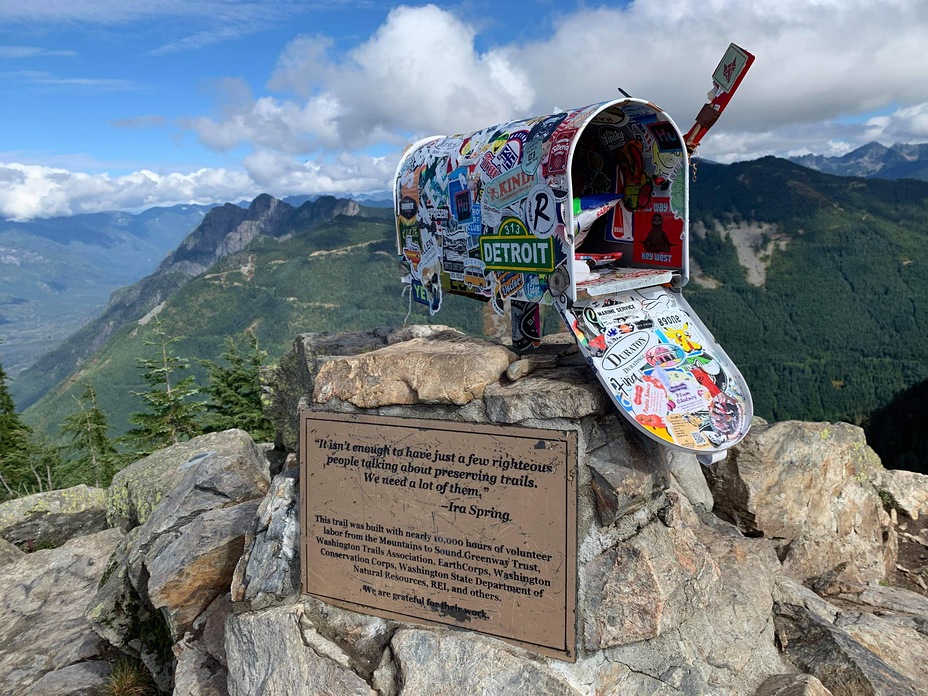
(540, 211)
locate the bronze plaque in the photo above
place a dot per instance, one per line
(436, 522)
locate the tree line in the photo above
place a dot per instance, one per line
(175, 409)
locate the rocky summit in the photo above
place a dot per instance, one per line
(794, 566)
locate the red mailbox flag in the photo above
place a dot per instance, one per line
(725, 80)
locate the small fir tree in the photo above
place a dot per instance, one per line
(25, 465)
(235, 390)
(93, 455)
(171, 416)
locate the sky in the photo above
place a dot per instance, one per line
(116, 105)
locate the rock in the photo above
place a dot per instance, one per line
(842, 664)
(558, 393)
(42, 599)
(46, 520)
(190, 570)
(362, 638)
(446, 663)
(627, 471)
(139, 488)
(688, 475)
(293, 377)
(907, 491)
(447, 368)
(646, 586)
(885, 598)
(808, 486)
(201, 521)
(788, 591)
(9, 553)
(197, 673)
(270, 565)
(792, 685)
(269, 653)
(407, 333)
(81, 679)
(525, 366)
(731, 640)
(904, 649)
(842, 579)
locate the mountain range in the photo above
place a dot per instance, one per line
(900, 161)
(813, 283)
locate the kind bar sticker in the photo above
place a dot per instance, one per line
(435, 522)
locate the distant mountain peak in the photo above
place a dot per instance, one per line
(899, 161)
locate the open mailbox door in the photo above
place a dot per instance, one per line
(586, 210)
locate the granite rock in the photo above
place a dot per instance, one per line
(45, 520)
(809, 487)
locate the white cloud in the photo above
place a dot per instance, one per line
(421, 73)
(29, 191)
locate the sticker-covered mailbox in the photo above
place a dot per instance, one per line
(586, 210)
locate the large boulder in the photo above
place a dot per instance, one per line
(647, 586)
(46, 520)
(450, 662)
(141, 487)
(841, 663)
(809, 487)
(446, 368)
(42, 599)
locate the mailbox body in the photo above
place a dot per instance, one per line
(587, 210)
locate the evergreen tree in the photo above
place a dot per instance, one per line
(14, 445)
(235, 390)
(94, 456)
(171, 416)
(25, 465)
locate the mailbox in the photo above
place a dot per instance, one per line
(585, 210)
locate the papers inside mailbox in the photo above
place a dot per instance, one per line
(586, 210)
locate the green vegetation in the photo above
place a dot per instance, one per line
(339, 276)
(234, 390)
(171, 414)
(129, 677)
(839, 325)
(26, 459)
(93, 454)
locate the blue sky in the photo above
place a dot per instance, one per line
(109, 104)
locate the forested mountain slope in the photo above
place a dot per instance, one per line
(839, 323)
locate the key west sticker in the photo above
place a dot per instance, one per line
(514, 249)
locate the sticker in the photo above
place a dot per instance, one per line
(611, 138)
(509, 188)
(475, 273)
(408, 207)
(540, 211)
(665, 135)
(459, 196)
(508, 284)
(682, 336)
(558, 154)
(517, 253)
(665, 355)
(684, 430)
(531, 156)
